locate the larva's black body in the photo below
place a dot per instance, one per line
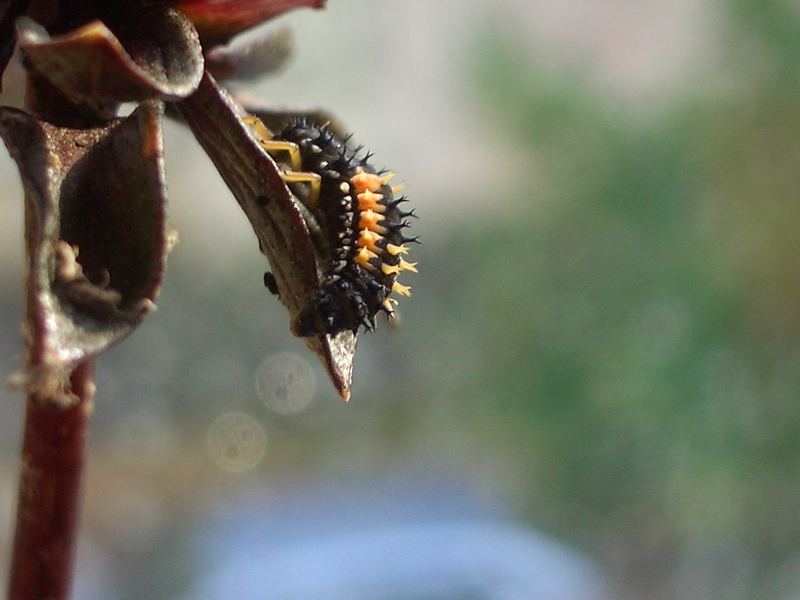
(359, 227)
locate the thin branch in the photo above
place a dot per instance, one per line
(48, 511)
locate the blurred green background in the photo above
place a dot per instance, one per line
(605, 330)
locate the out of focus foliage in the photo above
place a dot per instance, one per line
(632, 335)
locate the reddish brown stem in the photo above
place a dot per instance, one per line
(49, 501)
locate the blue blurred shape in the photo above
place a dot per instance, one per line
(409, 542)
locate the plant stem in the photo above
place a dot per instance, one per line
(49, 500)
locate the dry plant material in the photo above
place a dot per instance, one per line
(95, 213)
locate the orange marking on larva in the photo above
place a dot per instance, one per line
(395, 250)
(380, 208)
(369, 220)
(369, 239)
(363, 257)
(366, 182)
(379, 229)
(370, 201)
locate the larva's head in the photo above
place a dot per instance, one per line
(336, 307)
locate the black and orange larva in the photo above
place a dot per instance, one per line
(357, 222)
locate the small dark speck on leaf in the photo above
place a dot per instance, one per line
(269, 282)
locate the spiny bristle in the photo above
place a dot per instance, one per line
(355, 151)
(364, 256)
(401, 289)
(395, 250)
(369, 219)
(407, 266)
(395, 227)
(397, 201)
(369, 239)
(369, 200)
(364, 181)
(369, 323)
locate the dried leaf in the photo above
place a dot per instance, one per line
(95, 231)
(264, 54)
(155, 54)
(275, 215)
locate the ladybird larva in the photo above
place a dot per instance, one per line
(361, 225)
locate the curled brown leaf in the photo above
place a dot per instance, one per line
(156, 54)
(95, 231)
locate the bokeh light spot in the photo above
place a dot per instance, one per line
(236, 442)
(285, 383)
